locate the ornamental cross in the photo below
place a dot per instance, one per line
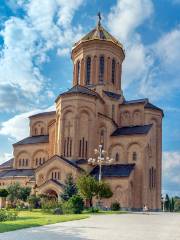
(99, 18)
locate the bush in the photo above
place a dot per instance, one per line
(115, 206)
(3, 193)
(93, 210)
(49, 204)
(8, 215)
(34, 201)
(74, 205)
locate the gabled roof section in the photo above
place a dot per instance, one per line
(114, 170)
(43, 114)
(60, 158)
(33, 140)
(78, 89)
(17, 173)
(7, 164)
(113, 95)
(51, 181)
(146, 103)
(133, 130)
(143, 100)
(151, 106)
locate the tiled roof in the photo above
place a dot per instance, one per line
(43, 114)
(79, 89)
(34, 140)
(114, 170)
(17, 173)
(49, 181)
(144, 129)
(60, 158)
(151, 106)
(7, 164)
(113, 95)
(101, 34)
(146, 102)
(81, 161)
(143, 100)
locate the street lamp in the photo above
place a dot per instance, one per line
(100, 159)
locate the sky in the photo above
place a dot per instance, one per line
(36, 37)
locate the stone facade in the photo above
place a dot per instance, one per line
(94, 111)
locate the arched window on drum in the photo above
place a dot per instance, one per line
(88, 70)
(101, 69)
(113, 71)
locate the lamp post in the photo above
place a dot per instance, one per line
(100, 159)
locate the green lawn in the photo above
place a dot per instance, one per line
(34, 218)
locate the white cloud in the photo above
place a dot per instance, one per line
(171, 170)
(5, 157)
(127, 15)
(17, 127)
(151, 70)
(46, 25)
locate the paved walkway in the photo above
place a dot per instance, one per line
(155, 226)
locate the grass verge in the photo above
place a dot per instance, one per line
(27, 219)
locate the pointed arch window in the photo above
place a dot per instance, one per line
(88, 70)
(78, 72)
(113, 71)
(101, 69)
(134, 156)
(117, 157)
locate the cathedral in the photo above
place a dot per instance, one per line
(93, 112)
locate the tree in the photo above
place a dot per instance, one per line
(177, 204)
(167, 203)
(70, 188)
(13, 193)
(172, 203)
(87, 187)
(76, 204)
(104, 190)
(16, 192)
(3, 193)
(24, 193)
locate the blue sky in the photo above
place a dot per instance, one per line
(36, 37)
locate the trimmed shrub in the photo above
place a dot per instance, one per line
(74, 205)
(115, 206)
(3, 193)
(34, 201)
(8, 215)
(93, 210)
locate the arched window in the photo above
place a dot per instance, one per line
(113, 111)
(113, 71)
(42, 131)
(27, 162)
(88, 70)
(35, 131)
(102, 137)
(117, 157)
(20, 162)
(83, 148)
(101, 69)
(134, 156)
(78, 72)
